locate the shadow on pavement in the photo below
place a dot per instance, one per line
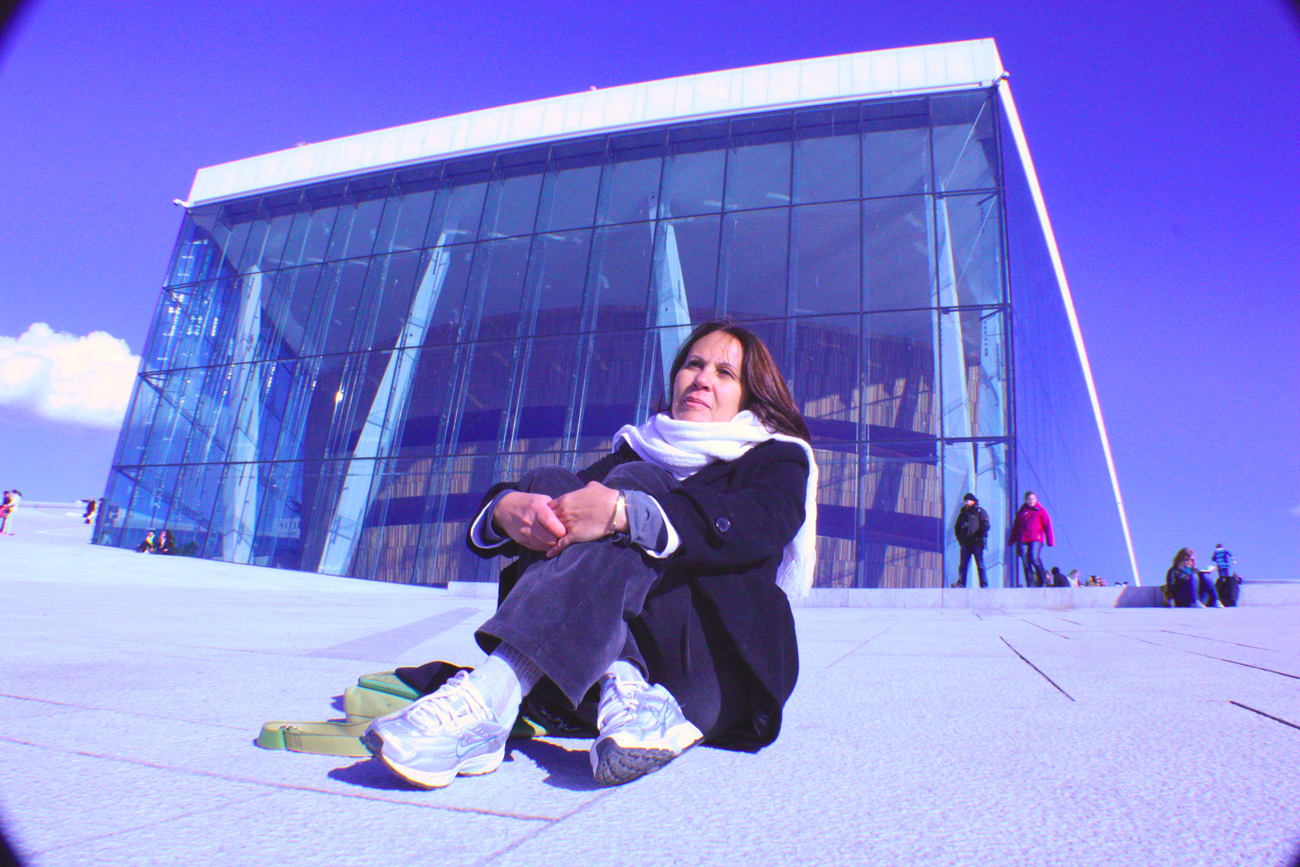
(565, 768)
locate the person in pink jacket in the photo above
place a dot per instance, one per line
(1031, 529)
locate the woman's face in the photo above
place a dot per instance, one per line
(1031, 500)
(707, 388)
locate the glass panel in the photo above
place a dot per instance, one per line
(135, 432)
(619, 277)
(825, 259)
(693, 175)
(341, 286)
(569, 194)
(629, 189)
(900, 541)
(428, 427)
(556, 272)
(610, 384)
(301, 388)
(496, 286)
(898, 259)
(405, 223)
(899, 397)
(822, 371)
(304, 322)
(355, 230)
(197, 255)
(974, 346)
(309, 237)
(511, 205)
(542, 393)
(895, 148)
(973, 225)
(491, 368)
(758, 170)
(686, 266)
(457, 211)
(454, 488)
(273, 248)
(981, 469)
(386, 300)
(752, 281)
(837, 519)
(357, 402)
(826, 163)
(444, 275)
(965, 147)
(253, 246)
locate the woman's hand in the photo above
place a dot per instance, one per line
(585, 513)
(529, 520)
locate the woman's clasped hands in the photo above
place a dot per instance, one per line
(540, 523)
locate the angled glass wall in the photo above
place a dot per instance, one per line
(337, 372)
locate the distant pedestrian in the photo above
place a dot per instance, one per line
(1032, 529)
(89, 515)
(971, 530)
(8, 506)
(1223, 561)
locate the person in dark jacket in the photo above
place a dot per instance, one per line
(1032, 529)
(654, 582)
(971, 530)
(1188, 587)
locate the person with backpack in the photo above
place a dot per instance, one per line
(971, 530)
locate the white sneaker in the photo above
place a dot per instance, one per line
(448, 732)
(642, 728)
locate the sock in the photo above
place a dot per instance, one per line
(625, 671)
(505, 679)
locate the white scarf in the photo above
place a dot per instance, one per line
(684, 447)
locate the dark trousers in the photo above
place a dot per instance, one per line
(598, 602)
(1030, 554)
(969, 552)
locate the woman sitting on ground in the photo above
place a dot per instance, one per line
(666, 563)
(1186, 586)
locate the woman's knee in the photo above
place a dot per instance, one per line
(551, 480)
(640, 476)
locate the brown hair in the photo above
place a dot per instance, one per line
(764, 392)
(1183, 556)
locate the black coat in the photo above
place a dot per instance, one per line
(734, 519)
(972, 527)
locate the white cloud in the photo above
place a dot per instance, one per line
(85, 380)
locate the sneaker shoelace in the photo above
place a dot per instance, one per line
(455, 702)
(620, 704)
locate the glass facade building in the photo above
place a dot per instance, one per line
(343, 361)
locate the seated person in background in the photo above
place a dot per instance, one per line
(166, 542)
(657, 575)
(1185, 586)
(148, 545)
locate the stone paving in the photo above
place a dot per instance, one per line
(131, 688)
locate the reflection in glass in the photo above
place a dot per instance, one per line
(752, 278)
(693, 179)
(897, 254)
(826, 164)
(896, 149)
(965, 148)
(758, 171)
(899, 395)
(824, 257)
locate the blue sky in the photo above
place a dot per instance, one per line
(1166, 137)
